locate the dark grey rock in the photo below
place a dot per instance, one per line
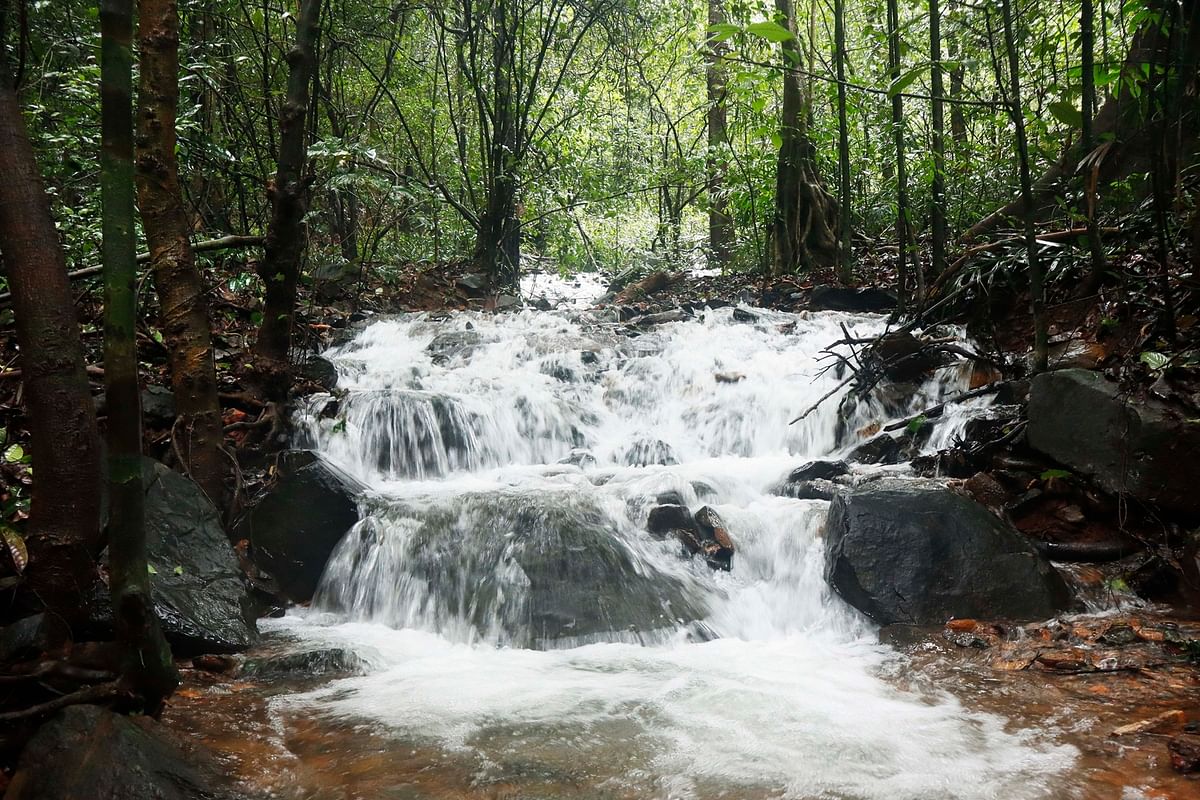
(90, 752)
(813, 470)
(667, 518)
(881, 449)
(579, 458)
(475, 283)
(742, 315)
(31, 636)
(321, 371)
(303, 664)
(158, 406)
(837, 298)
(295, 523)
(815, 489)
(646, 452)
(196, 584)
(451, 344)
(1140, 448)
(914, 552)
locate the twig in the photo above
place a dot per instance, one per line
(91, 694)
(936, 411)
(824, 397)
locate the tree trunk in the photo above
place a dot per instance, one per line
(802, 232)
(1037, 291)
(270, 368)
(720, 224)
(64, 524)
(937, 200)
(845, 253)
(903, 237)
(183, 310)
(1088, 141)
(146, 663)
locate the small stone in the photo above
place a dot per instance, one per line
(729, 377)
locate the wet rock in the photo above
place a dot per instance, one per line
(836, 298)
(813, 470)
(742, 315)
(321, 371)
(90, 752)
(507, 302)
(918, 553)
(881, 449)
(661, 318)
(196, 584)
(715, 539)
(670, 498)
(728, 377)
(304, 664)
(1185, 753)
(579, 458)
(986, 491)
(553, 566)
(647, 452)
(1143, 449)
(474, 283)
(452, 344)
(296, 521)
(991, 423)
(667, 518)
(31, 636)
(158, 406)
(816, 489)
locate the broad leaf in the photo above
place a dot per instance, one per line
(770, 30)
(16, 547)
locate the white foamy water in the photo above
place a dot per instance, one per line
(511, 606)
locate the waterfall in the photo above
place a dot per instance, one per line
(505, 591)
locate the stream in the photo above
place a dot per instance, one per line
(520, 635)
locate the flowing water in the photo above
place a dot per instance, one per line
(515, 617)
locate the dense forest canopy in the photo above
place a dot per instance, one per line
(586, 123)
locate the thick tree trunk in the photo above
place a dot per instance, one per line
(183, 310)
(270, 368)
(1124, 122)
(64, 524)
(720, 224)
(803, 231)
(147, 666)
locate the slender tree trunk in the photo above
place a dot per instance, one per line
(903, 237)
(845, 251)
(802, 231)
(64, 525)
(1037, 291)
(183, 310)
(280, 268)
(147, 666)
(958, 118)
(720, 224)
(1087, 67)
(937, 200)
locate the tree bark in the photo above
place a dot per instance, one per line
(64, 525)
(937, 200)
(1088, 140)
(903, 237)
(803, 233)
(720, 224)
(183, 310)
(845, 253)
(147, 667)
(280, 269)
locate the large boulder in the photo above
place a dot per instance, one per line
(90, 753)
(196, 584)
(521, 568)
(294, 524)
(912, 551)
(1130, 446)
(838, 298)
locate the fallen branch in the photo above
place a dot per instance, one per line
(92, 694)
(824, 397)
(936, 411)
(230, 242)
(15, 374)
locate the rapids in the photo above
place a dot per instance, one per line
(511, 609)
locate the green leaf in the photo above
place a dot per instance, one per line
(1155, 361)
(1055, 473)
(178, 569)
(770, 30)
(15, 453)
(914, 425)
(1066, 113)
(16, 547)
(902, 82)
(150, 569)
(722, 31)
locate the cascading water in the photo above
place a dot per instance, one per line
(511, 606)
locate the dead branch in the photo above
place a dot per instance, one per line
(91, 694)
